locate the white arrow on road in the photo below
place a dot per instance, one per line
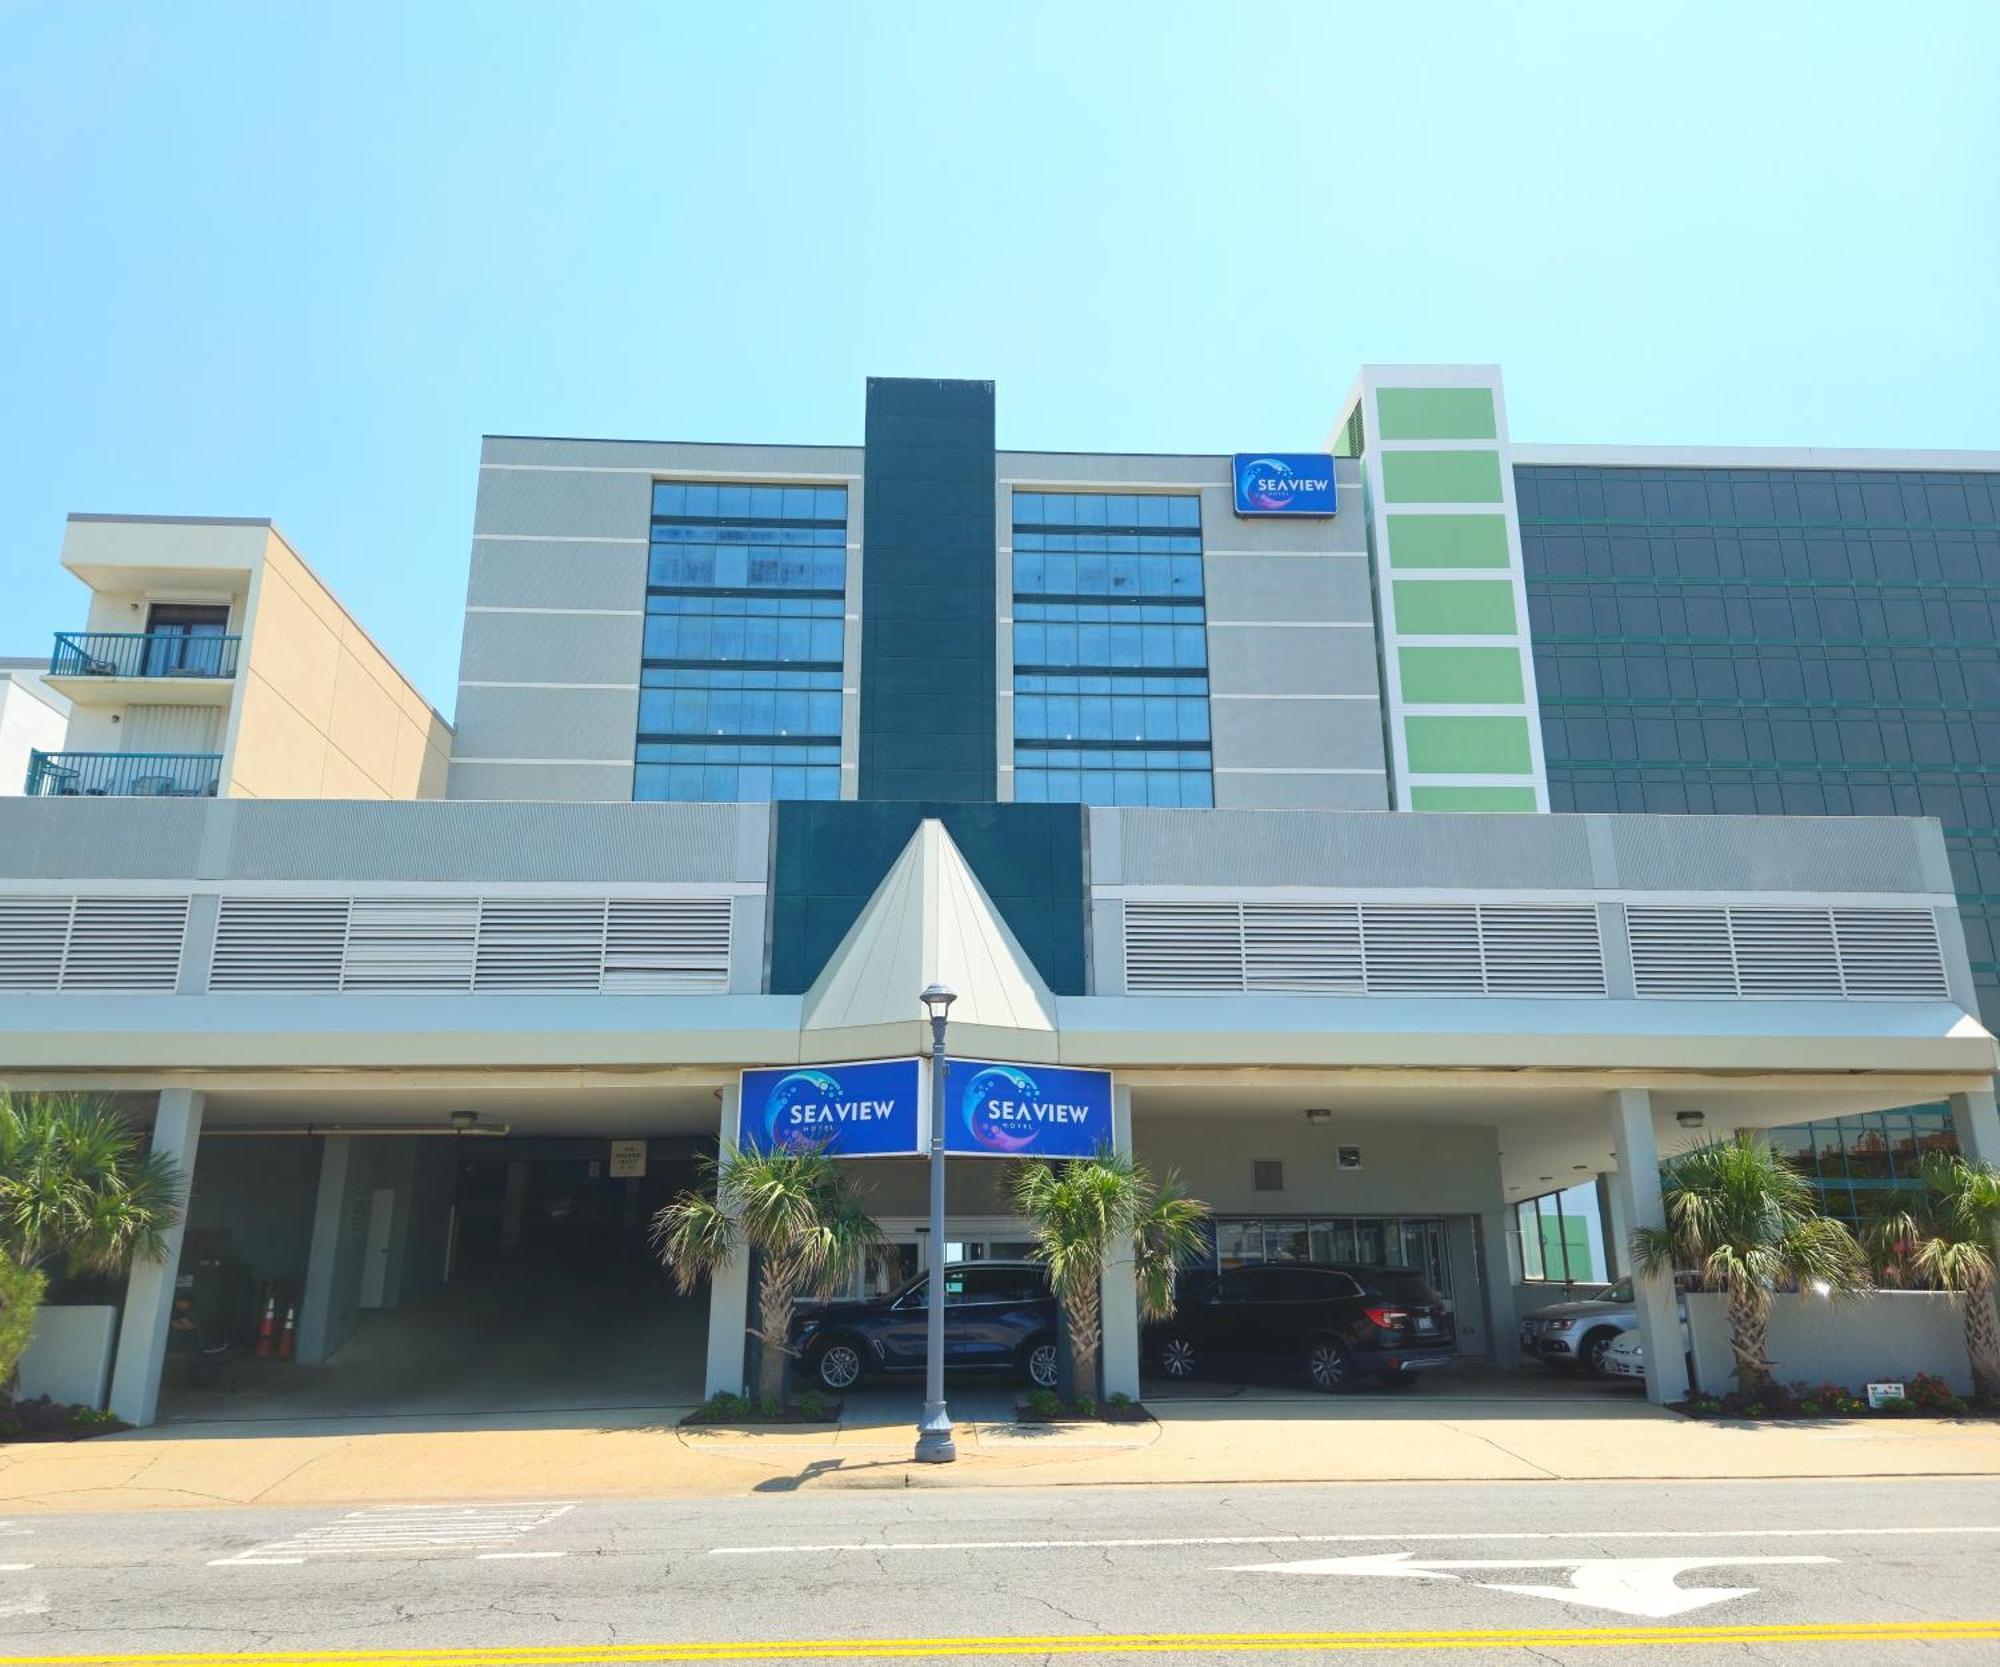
(1644, 1586)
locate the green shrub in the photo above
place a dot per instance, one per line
(812, 1404)
(1119, 1399)
(1086, 1406)
(1044, 1404)
(771, 1407)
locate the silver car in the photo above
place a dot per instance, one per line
(1579, 1333)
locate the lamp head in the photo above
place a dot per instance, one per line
(937, 1000)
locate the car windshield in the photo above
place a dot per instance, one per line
(1621, 1292)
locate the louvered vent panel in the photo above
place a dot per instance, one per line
(1191, 947)
(1303, 946)
(540, 944)
(666, 945)
(1680, 951)
(125, 943)
(32, 933)
(1420, 948)
(1891, 952)
(422, 945)
(1532, 949)
(1784, 952)
(278, 943)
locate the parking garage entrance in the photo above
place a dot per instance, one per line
(453, 1277)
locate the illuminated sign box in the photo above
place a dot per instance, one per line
(1285, 483)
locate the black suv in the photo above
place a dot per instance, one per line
(998, 1316)
(1337, 1322)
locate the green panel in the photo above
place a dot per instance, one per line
(1461, 676)
(1436, 413)
(1472, 798)
(1454, 607)
(1467, 746)
(1441, 477)
(1448, 541)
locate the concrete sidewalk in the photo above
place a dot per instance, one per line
(643, 1454)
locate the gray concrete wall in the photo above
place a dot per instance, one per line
(360, 840)
(1294, 687)
(1884, 1336)
(1735, 854)
(549, 673)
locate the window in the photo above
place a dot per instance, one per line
(1562, 1237)
(740, 676)
(1110, 650)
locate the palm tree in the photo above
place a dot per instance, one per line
(75, 1185)
(1082, 1213)
(1746, 1222)
(799, 1209)
(1940, 1232)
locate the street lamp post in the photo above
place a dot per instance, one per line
(934, 1443)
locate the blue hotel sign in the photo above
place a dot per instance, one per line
(1284, 483)
(877, 1109)
(1025, 1111)
(866, 1110)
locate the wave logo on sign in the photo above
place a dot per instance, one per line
(1266, 483)
(1005, 1110)
(793, 1113)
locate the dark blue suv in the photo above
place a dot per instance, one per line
(998, 1317)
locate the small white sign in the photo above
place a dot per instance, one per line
(1881, 1394)
(628, 1159)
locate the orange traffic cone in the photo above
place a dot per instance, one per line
(286, 1338)
(267, 1327)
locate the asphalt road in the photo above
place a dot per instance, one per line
(1862, 1573)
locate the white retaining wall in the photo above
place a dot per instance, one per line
(1851, 1341)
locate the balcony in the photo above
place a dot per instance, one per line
(99, 668)
(123, 775)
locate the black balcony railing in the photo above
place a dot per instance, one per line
(143, 654)
(123, 775)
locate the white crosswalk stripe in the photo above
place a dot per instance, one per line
(482, 1529)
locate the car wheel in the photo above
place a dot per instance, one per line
(838, 1365)
(1041, 1364)
(1595, 1347)
(1179, 1359)
(1327, 1364)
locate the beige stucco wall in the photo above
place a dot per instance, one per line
(322, 713)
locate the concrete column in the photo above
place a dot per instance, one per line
(1503, 1325)
(1637, 1189)
(149, 1287)
(729, 1291)
(315, 1339)
(1978, 1125)
(1119, 1296)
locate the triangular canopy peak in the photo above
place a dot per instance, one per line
(929, 922)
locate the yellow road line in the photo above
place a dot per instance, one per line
(1134, 1643)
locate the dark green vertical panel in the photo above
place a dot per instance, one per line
(929, 692)
(828, 858)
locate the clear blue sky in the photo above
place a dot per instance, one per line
(293, 260)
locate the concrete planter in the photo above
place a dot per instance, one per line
(1851, 1341)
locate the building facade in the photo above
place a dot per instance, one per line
(215, 663)
(752, 743)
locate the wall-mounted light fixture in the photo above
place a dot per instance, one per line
(1690, 1119)
(1318, 1116)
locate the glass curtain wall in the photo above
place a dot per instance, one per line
(1110, 650)
(740, 682)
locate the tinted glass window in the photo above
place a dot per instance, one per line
(1110, 650)
(740, 676)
